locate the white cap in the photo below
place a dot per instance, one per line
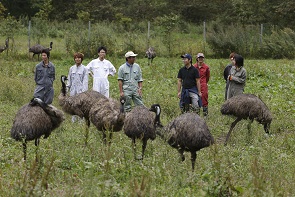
(130, 54)
(200, 55)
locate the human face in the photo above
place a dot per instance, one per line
(102, 54)
(186, 61)
(131, 60)
(78, 61)
(232, 60)
(200, 59)
(44, 57)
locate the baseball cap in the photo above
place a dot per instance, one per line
(200, 55)
(188, 56)
(130, 54)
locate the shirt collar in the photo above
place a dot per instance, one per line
(49, 65)
(129, 65)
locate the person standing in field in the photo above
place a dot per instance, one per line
(44, 78)
(204, 72)
(77, 78)
(226, 72)
(100, 69)
(237, 77)
(188, 86)
(130, 81)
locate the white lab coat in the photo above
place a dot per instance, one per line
(100, 71)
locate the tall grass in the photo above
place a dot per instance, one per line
(256, 165)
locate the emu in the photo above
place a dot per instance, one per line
(150, 54)
(246, 106)
(3, 48)
(108, 115)
(187, 132)
(79, 104)
(141, 123)
(34, 120)
(37, 49)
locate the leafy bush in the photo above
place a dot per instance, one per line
(224, 40)
(280, 44)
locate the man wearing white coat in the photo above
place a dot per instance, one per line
(100, 69)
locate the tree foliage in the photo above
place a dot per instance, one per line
(275, 12)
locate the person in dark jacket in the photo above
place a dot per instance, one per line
(44, 77)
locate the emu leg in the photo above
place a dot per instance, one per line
(231, 128)
(181, 151)
(249, 126)
(37, 141)
(144, 143)
(104, 137)
(25, 149)
(110, 138)
(134, 147)
(87, 121)
(266, 127)
(193, 159)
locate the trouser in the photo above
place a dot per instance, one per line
(194, 104)
(131, 95)
(44, 93)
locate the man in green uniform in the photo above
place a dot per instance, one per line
(130, 81)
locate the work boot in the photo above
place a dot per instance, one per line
(205, 111)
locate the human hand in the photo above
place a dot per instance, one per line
(230, 77)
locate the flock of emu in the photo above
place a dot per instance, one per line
(187, 132)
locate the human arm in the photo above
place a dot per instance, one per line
(112, 69)
(239, 77)
(207, 74)
(85, 80)
(140, 88)
(120, 83)
(179, 83)
(199, 86)
(69, 83)
(89, 69)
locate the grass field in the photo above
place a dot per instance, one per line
(256, 165)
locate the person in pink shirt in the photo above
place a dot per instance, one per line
(204, 72)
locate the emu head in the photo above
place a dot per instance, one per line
(38, 101)
(266, 127)
(122, 101)
(63, 78)
(157, 109)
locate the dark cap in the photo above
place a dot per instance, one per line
(188, 56)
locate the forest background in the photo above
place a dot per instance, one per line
(256, 29)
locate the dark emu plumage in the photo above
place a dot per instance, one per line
(108, 115)
(79, 104)
(37, 49)
(246, 106)
(3, 48)
(187, 132)
(34, 120)
(140, 123)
